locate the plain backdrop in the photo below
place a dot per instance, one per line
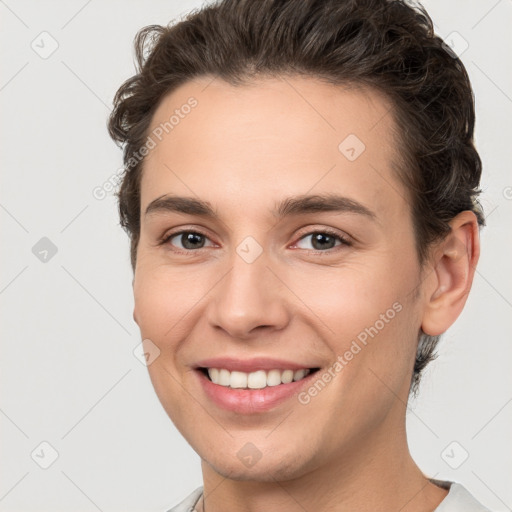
(69, 375)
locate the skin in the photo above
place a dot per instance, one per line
(243, 149)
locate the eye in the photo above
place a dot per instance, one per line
(322, 240)
(189, 240)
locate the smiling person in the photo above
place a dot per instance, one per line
(300, 192)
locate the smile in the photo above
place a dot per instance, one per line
(252, 386)
(255, 380)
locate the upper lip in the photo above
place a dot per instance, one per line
(251, 365)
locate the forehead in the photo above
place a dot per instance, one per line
(253, 144)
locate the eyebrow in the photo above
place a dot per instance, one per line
(296, 205)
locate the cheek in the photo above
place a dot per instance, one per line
(153, 308)
(163, 301)
(368, 316)
(349, 300)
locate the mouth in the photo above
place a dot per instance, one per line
(255, 386)
(259, 379)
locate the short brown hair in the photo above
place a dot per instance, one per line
(387, 45)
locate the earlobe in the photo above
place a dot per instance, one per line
(452, 274)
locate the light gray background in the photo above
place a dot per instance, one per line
(69, 376)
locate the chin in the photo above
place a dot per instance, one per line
(269, 468)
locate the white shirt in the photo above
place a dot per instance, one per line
(458, 499)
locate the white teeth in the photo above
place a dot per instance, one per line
(224, 377)
(214, 375)
(287, 376)
(274, 378)
(299, 374)
(238, 380)
(255, 380)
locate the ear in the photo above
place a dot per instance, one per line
(452, 271)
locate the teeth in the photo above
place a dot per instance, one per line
(299, 374)
(273, 377)
(214, 374)
(255, 380)
(287, 376)
(224, 377)
(238, 380)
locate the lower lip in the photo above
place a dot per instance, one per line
(248, 401)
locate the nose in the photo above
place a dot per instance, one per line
(248, 300)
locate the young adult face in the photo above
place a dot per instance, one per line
(256, 289)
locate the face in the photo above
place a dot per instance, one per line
(276, 274)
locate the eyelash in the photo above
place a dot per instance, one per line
(324, 231)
